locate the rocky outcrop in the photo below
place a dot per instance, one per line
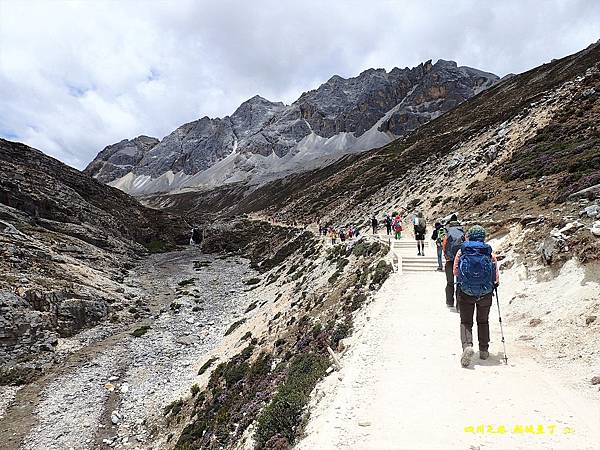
(377, 103)
(66, 243)
(118, 159)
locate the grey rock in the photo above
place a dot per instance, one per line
(550, 247)
(591, 211)
(118, 159)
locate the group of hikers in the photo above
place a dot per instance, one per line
(392, 222)
(342, 233)
(471, 268)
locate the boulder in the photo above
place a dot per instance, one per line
(596, 228)
(591, 211)
(551, 246)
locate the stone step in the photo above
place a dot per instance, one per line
(419, 269)
(419, 263)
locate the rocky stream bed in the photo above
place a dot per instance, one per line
(115, 383)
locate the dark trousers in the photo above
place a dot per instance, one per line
(481, 307)
(388, 229)
(450, 283)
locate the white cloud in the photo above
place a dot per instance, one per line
(76, 76)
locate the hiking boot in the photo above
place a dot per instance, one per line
(467, 354)
(484, 354)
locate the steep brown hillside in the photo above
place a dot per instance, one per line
(67, 242)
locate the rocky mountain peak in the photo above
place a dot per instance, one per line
(384, 104)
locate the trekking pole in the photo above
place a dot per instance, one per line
(501, 329)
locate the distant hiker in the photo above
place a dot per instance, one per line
(356, 232)
(454, 238)
(350, 232)
(437, 236)
(420, 230)
(374, 224)
(388, 224)
(397, 226)
(476, 269)
(195, 237)
(342, 235)
(333, 235)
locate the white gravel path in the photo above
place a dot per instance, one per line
(402, 386)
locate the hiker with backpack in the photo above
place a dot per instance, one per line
(476, 269)
(397, 226)
(374, 224)
(420, 230)
(452, 242)
(437, 236)
(388, 224)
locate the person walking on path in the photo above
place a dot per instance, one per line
(454, 238)
(388, 224)
(333, 234)
(397, 226)
(438, 237)
(420, 229)
(476, 269)
(374, 224)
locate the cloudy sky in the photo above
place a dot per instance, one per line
(76, 76)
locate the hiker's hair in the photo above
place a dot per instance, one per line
(453, 218)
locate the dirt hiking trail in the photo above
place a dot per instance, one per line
(401, 385)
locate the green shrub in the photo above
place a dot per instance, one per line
(195, 389)
(341, 331)
(157, 246)
(283, 415)
(139, 332)
(333, 278)
(234, 326)
(174, 407)
(206, 365)
(381, 273)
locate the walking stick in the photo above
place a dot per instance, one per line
(501, 329)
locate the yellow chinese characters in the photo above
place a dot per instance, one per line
(550, 429)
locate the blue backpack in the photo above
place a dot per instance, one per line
(476, 272)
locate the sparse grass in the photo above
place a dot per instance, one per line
(251, 307)
(234, 326)
(246, 336)
(195, 389)
(252, 281)
(188, 282)
(157, 246)
(174, 408)
(139, 332)
(333, 278)
(207, 365)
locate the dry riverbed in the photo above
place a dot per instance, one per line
(113, 388)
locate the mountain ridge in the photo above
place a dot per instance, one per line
(263, 139)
